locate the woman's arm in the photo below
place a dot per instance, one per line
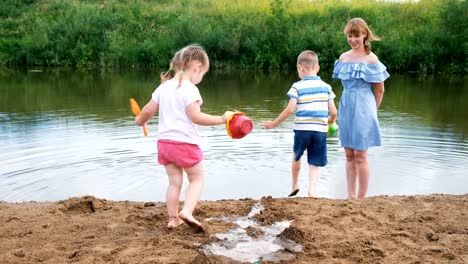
(378, 93)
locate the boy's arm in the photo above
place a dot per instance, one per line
(148, 111)
(290, 109)
(332, 110)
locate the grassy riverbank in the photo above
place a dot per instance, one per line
(424, 36)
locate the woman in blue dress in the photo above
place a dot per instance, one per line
(362, 76)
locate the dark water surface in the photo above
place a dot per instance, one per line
(66, 134)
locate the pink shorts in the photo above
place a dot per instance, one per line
(184, 155)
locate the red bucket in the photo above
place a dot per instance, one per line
(238, 125)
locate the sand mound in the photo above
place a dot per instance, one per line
(401, 229)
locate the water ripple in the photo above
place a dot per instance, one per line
(52, 156)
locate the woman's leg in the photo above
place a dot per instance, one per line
(172, 194)
(351, 173)
(193, 192)
(360, 157)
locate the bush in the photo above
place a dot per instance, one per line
(427, 36)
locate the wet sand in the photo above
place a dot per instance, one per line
(382, 229)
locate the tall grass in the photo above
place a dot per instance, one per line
(427, 36)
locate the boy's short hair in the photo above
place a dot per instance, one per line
(308, 59)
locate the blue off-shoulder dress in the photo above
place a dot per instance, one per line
(357, 111)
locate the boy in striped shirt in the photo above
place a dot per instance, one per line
(312, 101)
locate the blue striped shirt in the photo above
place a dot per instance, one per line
(312, 96)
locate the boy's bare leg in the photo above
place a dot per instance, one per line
(314, 174)
(193, 193)
(351, 173)
(295, 169)
(362, 165)
(172, 194)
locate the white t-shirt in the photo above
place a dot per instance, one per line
(174, 123)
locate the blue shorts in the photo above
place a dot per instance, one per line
(316, 145)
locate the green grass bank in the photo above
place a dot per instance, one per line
(427, 36)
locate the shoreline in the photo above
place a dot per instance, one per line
(378, 229)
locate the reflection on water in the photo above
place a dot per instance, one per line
(68, 134)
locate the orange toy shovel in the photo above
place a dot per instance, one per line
(136, 111)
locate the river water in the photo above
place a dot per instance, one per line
(68, 133)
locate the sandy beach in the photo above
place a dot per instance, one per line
(382, 229)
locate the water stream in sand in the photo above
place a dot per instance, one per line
(250, 241)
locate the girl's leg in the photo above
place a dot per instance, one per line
(193, 192)
(351, 173)
(173, 192)
(314, 174)
(362, 165)
(295, 169)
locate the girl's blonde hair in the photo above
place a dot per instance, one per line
(183, 59)
(357, 26)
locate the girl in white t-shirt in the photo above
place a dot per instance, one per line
(177, 101)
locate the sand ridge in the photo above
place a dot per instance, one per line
(382, 229)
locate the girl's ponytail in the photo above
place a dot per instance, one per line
(186, 56)
(167, 75)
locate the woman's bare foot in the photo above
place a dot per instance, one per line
(192, 222)
(174, 222)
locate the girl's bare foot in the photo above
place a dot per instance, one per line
(174, 222)
(192, 222)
